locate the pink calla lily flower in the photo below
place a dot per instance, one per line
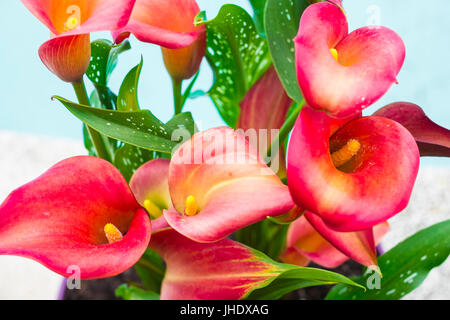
(68, 52)
(80, 213)
(225, 270)
(344, 73)
(432, 139)
(309, 238)
(264, 108)
(170, 24)
(342, 170)
(150, 186)
(218, 184)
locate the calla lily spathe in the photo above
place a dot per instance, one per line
(309, 239)
(344, 73)
(224, 270)
(68, 52)
(218, 184)
(432, 139)
(79, 213)
(170, 24)
(342, 170)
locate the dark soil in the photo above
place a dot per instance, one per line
(103, 289)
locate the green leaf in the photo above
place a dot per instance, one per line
(129, 158)
(128, 98)
(187, 93)
(282, 19)
(404, 267)
(104, 58)
(138, 128)
(238, 57)
(265, 236)
(293, 278)
(151, 270)
(258, 9)
(127, 292)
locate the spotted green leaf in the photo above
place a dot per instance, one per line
(104, 58)
(127, 99)
(138, 128)
(129, 158)
(281, 21)
(238, 57)
(404, 267)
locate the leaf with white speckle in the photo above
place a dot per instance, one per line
(238, 57)
(404, 267)
(281, 20)
(127, 99)
(138, 128)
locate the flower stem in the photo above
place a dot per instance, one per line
(284, 131)
(97, 141)
(177, 96)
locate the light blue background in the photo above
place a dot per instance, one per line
(26, 85)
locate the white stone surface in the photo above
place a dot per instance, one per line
(25, 157)
(429, 204)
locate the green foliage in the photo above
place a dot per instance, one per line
(127, 292)
(128, 93)
(258, 9)
(238, 57)
(139, 128)
(293, 278)
(404, 267)
(282, 19)
(266, 236)
(104, 58)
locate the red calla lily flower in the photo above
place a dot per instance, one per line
(225, 270)
(170, 24)
(432, 139)
(81, 213)
(309, 238)
(68, 52)
(344, 73)
(218, 184)
(343, 170)
(265, 107)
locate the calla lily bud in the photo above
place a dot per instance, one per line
(67, 57)
(68, 52)
(184, 63)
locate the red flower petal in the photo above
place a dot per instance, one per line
(168, 23)
(369, 60)
(225, 270)
(59, 219)
(432, 139)
(369, 188)
(359, 246)
(92, 15)
(231, 184)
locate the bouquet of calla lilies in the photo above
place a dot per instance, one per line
(297, 175)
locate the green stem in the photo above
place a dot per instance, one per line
(97, 141)
(177, 96)
(284, 131)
